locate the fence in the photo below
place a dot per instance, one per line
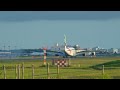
(19, 72)
(55, 72)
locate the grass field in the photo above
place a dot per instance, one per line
(81, 68)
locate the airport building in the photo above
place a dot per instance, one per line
(119, 50)
(96, 48)
(103, 50)
(113, 50)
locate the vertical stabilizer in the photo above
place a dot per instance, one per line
(65, 41)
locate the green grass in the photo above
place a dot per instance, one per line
(108, 65)
(80, 68)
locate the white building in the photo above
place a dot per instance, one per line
(119, 50)
(113, 50)
(95, 48)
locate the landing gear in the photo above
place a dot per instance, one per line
(65, 56)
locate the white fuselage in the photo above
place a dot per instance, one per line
(70, 51)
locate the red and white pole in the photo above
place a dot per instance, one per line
(44, 50)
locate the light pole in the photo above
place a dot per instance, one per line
(10, 52)
(9, 48)
(15, 51)
(4, 49)
(15, 47)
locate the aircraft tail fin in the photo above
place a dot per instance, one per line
(65, 41)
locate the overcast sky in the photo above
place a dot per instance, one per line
(36, 29)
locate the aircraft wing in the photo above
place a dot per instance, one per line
(82, 51)
(54, 51)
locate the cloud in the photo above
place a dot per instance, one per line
(18, 16)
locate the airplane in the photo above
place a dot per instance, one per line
(67, 50)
